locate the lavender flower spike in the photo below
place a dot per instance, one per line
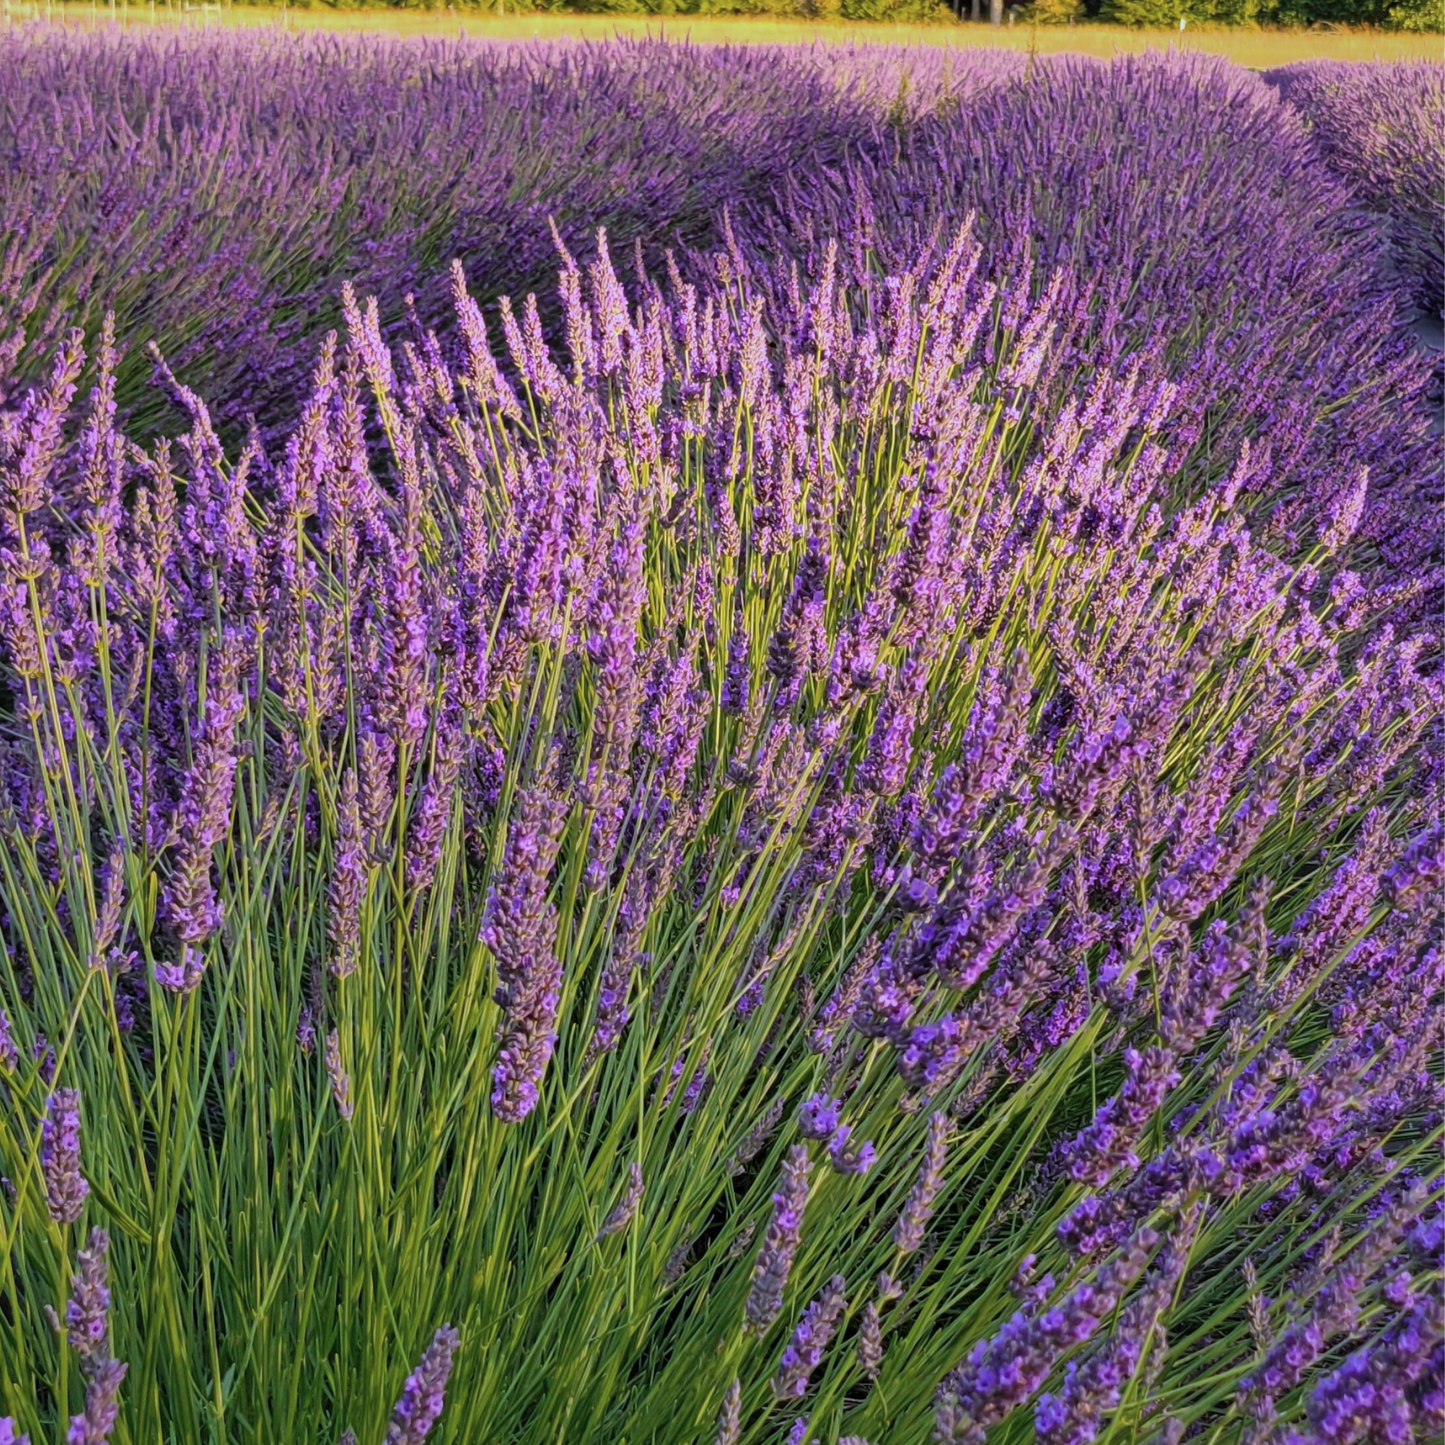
(423, 1395)
(65, 1186)
(102, 1406)
(10, 1433)
(340, 1079)
(85, 1315)
(918, 1207)
(729, 1420)
(621, 1216)
(805, 1350)
(780, 1243)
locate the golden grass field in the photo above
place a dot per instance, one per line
(1257, 48)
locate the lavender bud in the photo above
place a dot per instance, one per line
(870, 1342)
(340, 1081)
(621, 1216)
(102, 1406)
(85, 1315)
(729, 1422)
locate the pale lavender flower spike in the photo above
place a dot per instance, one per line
(424, 1393)
(621, 1215)
(65, 1186)
(780, 1243)
(102, 1406)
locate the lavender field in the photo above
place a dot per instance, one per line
(708, 744)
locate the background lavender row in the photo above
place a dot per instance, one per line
(1381, 127)
(215, 191)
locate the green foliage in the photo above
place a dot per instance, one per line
(1056, 12)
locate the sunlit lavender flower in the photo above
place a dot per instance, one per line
(1367, 1398)
(780, 1243)
(1001, 1373)
(340, 1080)
(10, 1432)
(424, 1393)
(804, 1351)
(9, 1054)
(520, 928)
(65, 1186)
(918, 1207)
(818, 1116)
(621, 1215)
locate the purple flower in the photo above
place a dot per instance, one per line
(10, 1432)
(804, 1351)
(850, 1161)
(1001, 1373)
(780, 1243)
(520, 928)
(729, 1423)
(918, 1207)
(424, 1393)
(102, 1406)
(65, 1186)
(86, 1322)
(348, 882)
(818, 1116)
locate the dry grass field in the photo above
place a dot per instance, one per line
(1259, 49)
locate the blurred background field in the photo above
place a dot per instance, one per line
(1257, 48)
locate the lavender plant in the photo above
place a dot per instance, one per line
(1379, 126)
(784, 866)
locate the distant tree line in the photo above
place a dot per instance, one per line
(1388, 14)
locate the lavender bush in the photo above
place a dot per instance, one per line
(1380, 127)
(798, 860)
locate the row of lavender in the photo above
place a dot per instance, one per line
(839, 841)
(1380, 127)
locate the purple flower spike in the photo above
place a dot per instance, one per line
(65, 1186)
(805, 1350)
(340, 1079)
(424, 1393)
(10, 1432)
(918, 1207)
(729, 1422)
(86, 1324)
(780, 1244)
(621, 1216)
(102, 1406)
